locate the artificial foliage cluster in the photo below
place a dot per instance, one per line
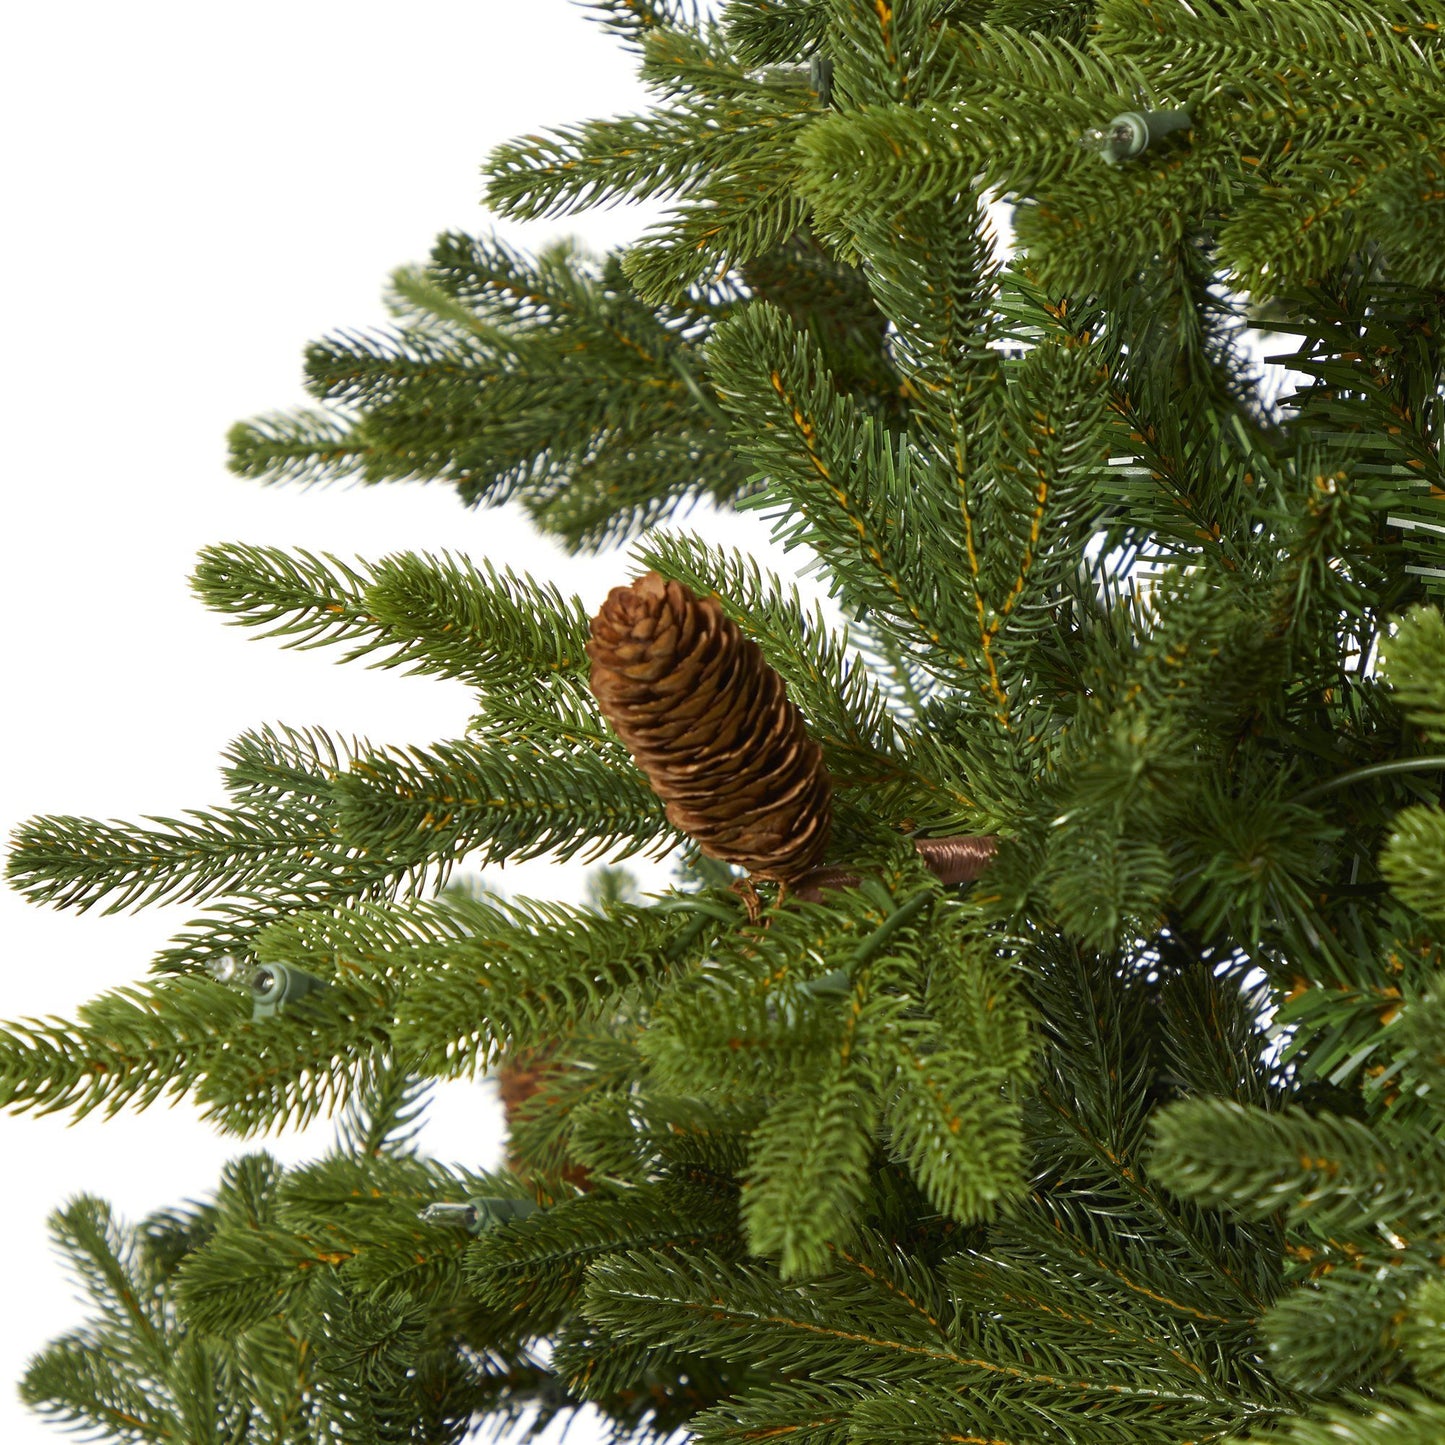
(1132, 1132)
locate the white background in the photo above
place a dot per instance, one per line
(195, 192)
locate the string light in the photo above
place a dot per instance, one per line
(1133, 132)
(478, 1214)
(272, 985)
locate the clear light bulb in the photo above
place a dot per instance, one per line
(1131, 133)
(1117, 137)
(225, 969)
(464, 1216)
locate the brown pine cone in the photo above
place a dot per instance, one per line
(520, 1079)
(710, 725)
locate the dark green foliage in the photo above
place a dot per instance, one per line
(518, 976)
(721, 141)
(775, 32)
(266, 1315)
(131, 1373)
(1332, 1174)
(632, 20)
(1406, 1418)
(1412, 665)
(489, 353)
(1137, 1140)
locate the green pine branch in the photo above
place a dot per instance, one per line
(522, 975)
(1327, 1174)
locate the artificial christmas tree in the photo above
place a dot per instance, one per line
(1127, 1130)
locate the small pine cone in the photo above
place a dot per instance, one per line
(710, 725)
(520, 1079)
(952, 860)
